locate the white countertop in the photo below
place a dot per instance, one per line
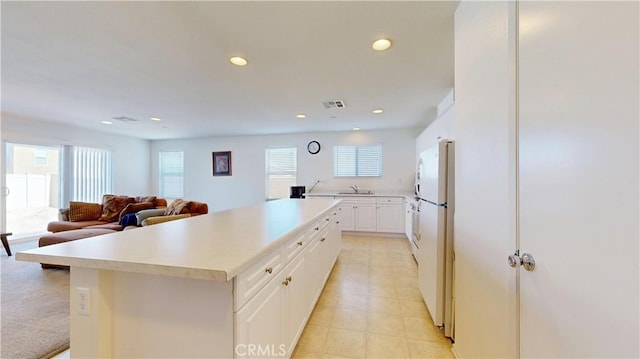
(215, 246)
(374, 194)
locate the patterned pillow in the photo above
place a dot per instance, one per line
(134, 208)
(152, 199)
(176, 207)
(83, 211)
(113, 205)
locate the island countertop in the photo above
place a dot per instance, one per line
(216, 246)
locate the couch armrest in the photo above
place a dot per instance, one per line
(161, 219)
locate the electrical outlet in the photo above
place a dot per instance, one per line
(84, 301)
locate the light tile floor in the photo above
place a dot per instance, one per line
(371, 307)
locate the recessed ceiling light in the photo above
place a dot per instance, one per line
(107, 122)
(378, 110)
(356, 129)
(301, 115)
(381, 44)
(238, 61)
(155, 119)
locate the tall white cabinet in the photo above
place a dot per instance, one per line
(547, 109)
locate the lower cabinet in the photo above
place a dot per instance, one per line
(259, 324)
(347, 223)
(373, 214)
(358, 214)
(270, 323)
(390, 215)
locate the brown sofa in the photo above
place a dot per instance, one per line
(67, 230)
(92, 215)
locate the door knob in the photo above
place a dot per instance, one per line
(514, 260)
(526, 260)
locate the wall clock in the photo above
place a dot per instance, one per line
(313, 147)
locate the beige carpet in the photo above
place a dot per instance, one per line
(34, 310)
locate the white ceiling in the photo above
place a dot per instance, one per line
(84, 62)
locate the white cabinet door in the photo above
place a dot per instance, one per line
(298, 297)
(365, 217)
(579, 179)
(314, 256)
(390, 218)
(259, 324)
(347, 222)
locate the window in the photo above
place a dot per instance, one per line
(281, 163)
(357, 161)
(40, 157)
(92, 174)
(171, 174)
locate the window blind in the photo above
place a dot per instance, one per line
(357, 161)
(171, 174)
(281, 170)
(92, 174)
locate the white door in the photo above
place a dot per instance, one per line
(30, 188)
(578, 179)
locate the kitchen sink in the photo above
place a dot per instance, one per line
(357, 193)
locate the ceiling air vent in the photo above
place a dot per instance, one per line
(334, 104)
(124, 119)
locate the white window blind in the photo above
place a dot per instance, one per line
(357, 161)
(92, 174)
(171, 174)
(282, 164)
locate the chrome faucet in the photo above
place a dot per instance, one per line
(354, 188)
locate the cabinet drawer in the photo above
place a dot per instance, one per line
(326, 220)
(395, 200)
(249, 282)
(313, 230)
(295, 246)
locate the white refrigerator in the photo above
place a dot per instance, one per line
(435, 265)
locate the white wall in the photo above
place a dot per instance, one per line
(247, 184)
(131, 155)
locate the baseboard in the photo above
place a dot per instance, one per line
(373, 234)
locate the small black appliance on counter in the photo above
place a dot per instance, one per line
(297, 191)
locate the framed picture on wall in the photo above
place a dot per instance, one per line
(222, 163)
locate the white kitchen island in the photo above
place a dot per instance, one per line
(237, 283)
